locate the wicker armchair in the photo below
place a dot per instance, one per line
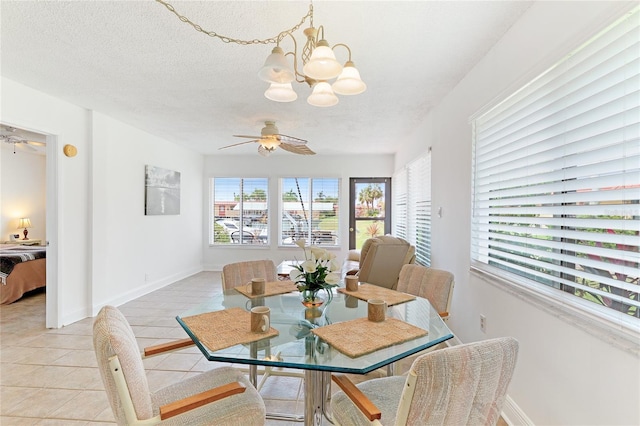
(381, 259)
(222, 396)
(461, 385)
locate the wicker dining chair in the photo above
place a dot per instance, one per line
(435, 285)
(222, 396)
(461, 385)
(240, 273)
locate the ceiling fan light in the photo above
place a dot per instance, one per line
(276, 69)
(270, 143)
(322, 64)
(281, 92)
(349, 81)
(322, 95)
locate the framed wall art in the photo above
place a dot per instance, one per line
(162, 191)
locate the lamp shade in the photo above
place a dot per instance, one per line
(276, 69)
(281, 92)
(24, 222)
(322, 95)
(322, 64)
(349, 81)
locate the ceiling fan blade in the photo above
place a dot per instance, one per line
(245, 136)
(291, 140)
(35, 143)
(239, 143)
(297, 149)
(27, 146)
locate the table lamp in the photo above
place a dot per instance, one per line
(25, 223)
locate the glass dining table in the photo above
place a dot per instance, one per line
(297, 347)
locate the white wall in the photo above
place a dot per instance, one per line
(134, 253)
(22, 192)
(278, 165)
(108, 251)
(566, 375)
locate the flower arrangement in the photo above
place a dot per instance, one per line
(316, 273)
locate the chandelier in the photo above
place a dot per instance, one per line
(319, 64)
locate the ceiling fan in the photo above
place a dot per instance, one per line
(270, 139)
(11, 136)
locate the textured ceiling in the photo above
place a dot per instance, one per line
(137, 62)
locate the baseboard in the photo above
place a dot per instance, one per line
(513, 415)
(146, 289)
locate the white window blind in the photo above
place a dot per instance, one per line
(556, 179)
(419, 210)
(399, 192)
(239, 211)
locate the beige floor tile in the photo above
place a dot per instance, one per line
(42, 403)
(18, 421)
(78, 358)
(13, 395)
(87, 405)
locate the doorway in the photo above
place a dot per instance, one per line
(369, 209)
(36, 197)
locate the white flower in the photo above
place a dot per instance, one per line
(332, 278)
(301, 243)
(309, 266)
(334, 265)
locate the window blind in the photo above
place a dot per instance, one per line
(399, 191)
(556, 178)
(419, 214)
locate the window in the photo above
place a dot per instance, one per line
(412, 206)
(556, 179)
(239, 211)
(310, 209)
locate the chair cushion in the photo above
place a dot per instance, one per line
(432, 284)
(384, 393)
(112, 335)
(243, 409)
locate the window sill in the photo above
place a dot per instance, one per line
(624, 336)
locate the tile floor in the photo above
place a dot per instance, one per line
(50, 376)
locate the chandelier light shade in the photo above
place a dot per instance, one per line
(349, 81)
(276, 69)
(323, 64)
(317, 57)
(281, 92)
(322, 95)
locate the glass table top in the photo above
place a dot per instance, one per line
(297, 347)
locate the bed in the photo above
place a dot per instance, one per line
(22, 269)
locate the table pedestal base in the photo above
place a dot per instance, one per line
(317, 392)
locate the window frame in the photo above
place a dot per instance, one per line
(336, 237)
(214, 211)
(546, 296)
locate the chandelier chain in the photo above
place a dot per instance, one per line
(227, 39)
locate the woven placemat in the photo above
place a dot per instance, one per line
(271, 288)
(360, 336)
(370, 291)
(223, 329)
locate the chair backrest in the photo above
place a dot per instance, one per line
(381, 259)
(241, 273)
(463, 385)
(112, 336)
(434, 285)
